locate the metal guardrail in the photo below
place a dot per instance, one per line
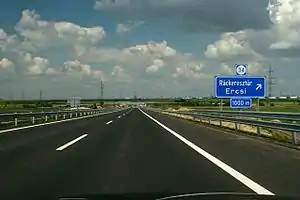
(8, 120)
(267, 115)
(240, 117)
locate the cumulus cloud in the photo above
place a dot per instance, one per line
(8, 42)
(152, 57)
(75, 67)
(128, 26)
(6, 65)
(119, 74)
(191, 71)
(138, 54)
(286, 17)
(40, 33)
(282, 38)
(35, 65)
(152, 49)
(157, 64)
(232, 45)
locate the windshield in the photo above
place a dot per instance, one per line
(149, 97)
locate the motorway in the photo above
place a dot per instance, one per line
(140, 151)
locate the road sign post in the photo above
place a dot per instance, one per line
(240, 88)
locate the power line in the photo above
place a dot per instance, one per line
(271, 79)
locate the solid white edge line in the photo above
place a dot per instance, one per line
(109, 122)
(70, 143)
(55, 122)
(234, 173)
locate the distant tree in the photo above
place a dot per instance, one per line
(28, 106)
(102, 103)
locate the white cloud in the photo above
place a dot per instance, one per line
(120, 75)
(137, 55)
(152, 49)
(72, 68)
(3, 35)
(191, 71)
(285, 14)
(226, 69)
(231, 45)
(157, 64)
(6, 65)
(81, 70)
(35, 65)
(284, 34)
(38, 66)
(256, 68)
(39, 33)
(128, 26)
(8, 42)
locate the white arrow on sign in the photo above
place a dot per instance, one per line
(258, 86)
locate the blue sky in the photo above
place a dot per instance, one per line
(151, 47)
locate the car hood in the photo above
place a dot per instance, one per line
(186, 196)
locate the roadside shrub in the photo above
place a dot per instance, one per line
(44, 105)
(28, 106)
(94, 106)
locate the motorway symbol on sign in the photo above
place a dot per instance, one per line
(240, 86)
(240, 103)
(241, 69)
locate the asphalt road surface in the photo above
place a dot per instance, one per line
(140, 151)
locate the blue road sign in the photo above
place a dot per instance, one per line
(241, 70)
(240, 103)
(240, 86)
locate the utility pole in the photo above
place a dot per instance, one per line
(101, 92)
(41, 94)
(271, 82)
(270, 79)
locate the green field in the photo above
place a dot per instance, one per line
(287, 105)
(212, 104)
